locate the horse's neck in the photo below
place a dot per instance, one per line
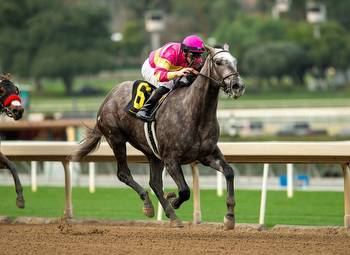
(203, 96)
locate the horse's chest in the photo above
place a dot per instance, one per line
(207, 139)
(187, 141)
(190, 152)
(198, 144)
(209, 133)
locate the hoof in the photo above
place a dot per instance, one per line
(229, 222)
(148, 211)
(20, 202)
(176, 223)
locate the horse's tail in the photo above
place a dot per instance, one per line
(90, 143)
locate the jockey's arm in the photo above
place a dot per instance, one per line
(166, 68)
(163, 74)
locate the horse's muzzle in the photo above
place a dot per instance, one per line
(238, 89)
(16, 111)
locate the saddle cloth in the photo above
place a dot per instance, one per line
(141, 91)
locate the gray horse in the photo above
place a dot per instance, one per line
(187, 130)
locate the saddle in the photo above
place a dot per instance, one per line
(141, 91)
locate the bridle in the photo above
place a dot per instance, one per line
(4, 106)
(7, 111)
(221, 83)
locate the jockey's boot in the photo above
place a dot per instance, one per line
(145, 112)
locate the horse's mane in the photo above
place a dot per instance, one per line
(207, 57)
(210, 52)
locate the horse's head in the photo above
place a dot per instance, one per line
(10, 102)
(223, 71)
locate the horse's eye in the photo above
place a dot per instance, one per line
(2, 91)
(218, 62)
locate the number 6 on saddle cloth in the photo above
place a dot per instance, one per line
(141, 91)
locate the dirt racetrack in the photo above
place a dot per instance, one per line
(152, 238)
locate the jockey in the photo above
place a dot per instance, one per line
(171, 64)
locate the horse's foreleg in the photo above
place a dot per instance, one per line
(19, 190)
(217, 161)
(175, 171)
(124, 175)
(156, 183)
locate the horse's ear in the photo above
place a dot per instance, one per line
(226, 47)
(209, 49)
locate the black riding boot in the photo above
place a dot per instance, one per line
(146, 111)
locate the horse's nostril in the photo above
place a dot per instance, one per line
(17, 112)
(235, 86)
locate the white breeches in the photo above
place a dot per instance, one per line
(148, 74)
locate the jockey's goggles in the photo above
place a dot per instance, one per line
(195, 54)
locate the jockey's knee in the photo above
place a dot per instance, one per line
(184, 81)
(169, 84)
(185, 194)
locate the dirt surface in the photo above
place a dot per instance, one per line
(150, 238)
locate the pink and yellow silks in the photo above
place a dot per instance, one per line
(167, 60)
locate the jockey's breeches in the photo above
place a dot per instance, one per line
(147, 72)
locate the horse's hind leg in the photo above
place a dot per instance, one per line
(156, 183)
(19, 190)
(216, 160)
(124, 175)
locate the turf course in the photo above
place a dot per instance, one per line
(305, 208)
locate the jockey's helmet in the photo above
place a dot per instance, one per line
(193, 43)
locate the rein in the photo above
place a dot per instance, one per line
(7, 111)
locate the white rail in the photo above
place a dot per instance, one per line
(249, 152)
